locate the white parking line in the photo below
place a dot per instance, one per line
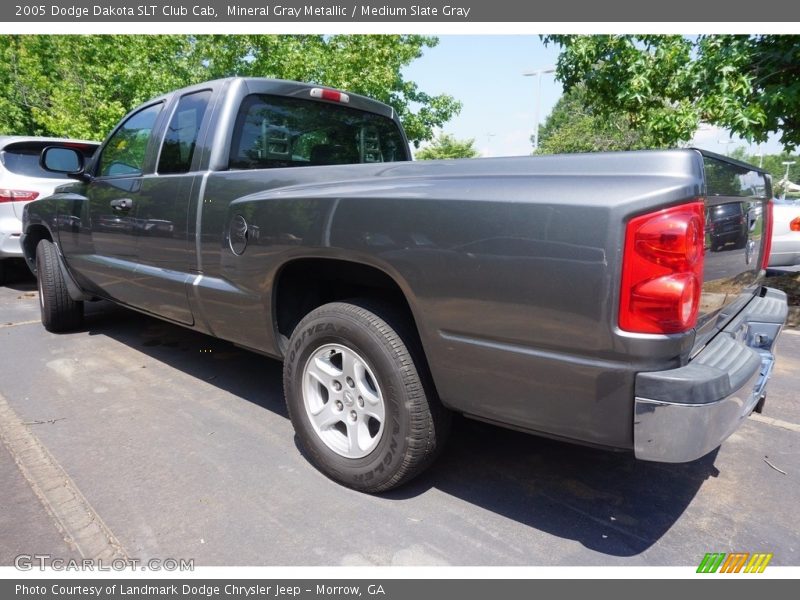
(20, 323)
(775, 422)
(80, 525)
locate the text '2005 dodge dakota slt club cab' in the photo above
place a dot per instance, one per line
(580, 297)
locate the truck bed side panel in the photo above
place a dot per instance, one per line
(510, 266)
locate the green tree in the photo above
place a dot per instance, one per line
(668, 84)
(446, 145)
(80, 86)
(572, 126)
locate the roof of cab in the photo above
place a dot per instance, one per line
(286, 87)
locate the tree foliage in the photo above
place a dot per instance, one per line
(574, 127)
(668, 84)
(80, 86)
(446, 145)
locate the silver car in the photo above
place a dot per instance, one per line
(23, 180)
(785, 233)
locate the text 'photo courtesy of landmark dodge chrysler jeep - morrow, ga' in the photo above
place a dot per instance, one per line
(581, 297)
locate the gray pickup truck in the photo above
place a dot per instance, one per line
(591, 298)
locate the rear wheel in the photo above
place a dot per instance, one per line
(59, 311)
(359, 397)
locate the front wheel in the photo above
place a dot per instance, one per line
(359, 396)
(59, 311)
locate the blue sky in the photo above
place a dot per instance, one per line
(485, 72)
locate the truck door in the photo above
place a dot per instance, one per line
(110, 263)
(165, 253)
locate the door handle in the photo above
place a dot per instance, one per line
(122, 204)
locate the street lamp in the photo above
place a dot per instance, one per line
(727, 143)
(788, 164)
(538, 74)
(489, 137)
(760, 156)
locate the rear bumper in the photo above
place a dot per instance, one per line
(682, 414)
(10, 244)
(785, 252)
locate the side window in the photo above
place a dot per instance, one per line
(181, 137)
(125, 152)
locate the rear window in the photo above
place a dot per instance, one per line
(275, 131)
(22, 158)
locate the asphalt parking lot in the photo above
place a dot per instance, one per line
(178, 446)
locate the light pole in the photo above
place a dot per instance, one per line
(727, 143)
(489, 137)
(788, 164)
(538, 74)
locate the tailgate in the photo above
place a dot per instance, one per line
(736, 207)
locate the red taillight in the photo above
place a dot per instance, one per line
(662, 270)
(794, 224)
(332, 95)
(17, 195)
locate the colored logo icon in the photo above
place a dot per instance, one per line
(736, 562)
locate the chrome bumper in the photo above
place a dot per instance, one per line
(683, 414)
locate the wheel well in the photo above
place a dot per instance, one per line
(304, 284)
(34, 235)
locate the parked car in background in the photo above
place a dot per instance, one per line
(785, 233)
(727, 224)
(22, 180)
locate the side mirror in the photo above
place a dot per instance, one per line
(59, 159)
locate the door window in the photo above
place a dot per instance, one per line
(124, 153)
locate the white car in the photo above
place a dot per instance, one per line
(785, 233)
(23, 180)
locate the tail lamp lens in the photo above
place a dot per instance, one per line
(794, 224)
(662, 270)
(7, 195)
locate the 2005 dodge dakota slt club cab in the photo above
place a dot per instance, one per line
(585, 297)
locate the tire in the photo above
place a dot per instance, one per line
(59, 311)
(2, 271)
(359, 396)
